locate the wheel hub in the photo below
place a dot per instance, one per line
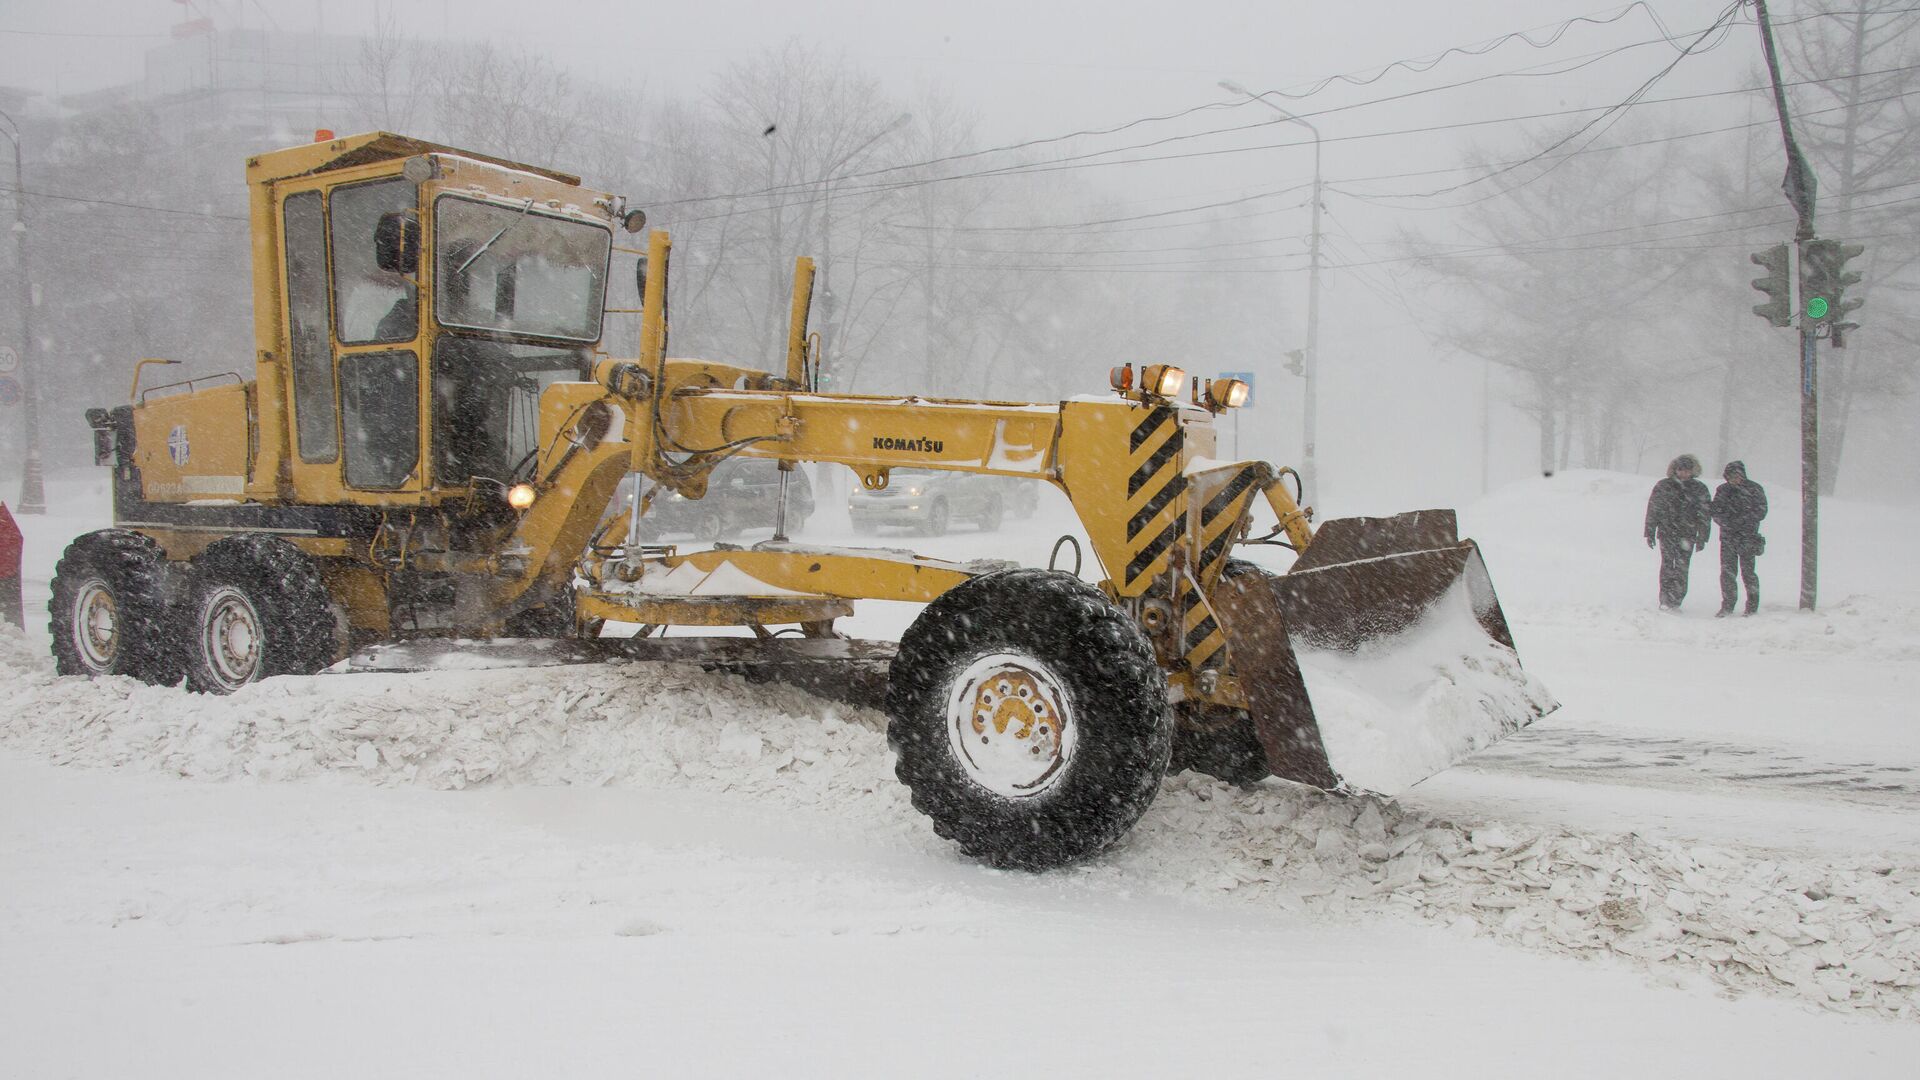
(230, 637)
(1010, 725)
(96, 624)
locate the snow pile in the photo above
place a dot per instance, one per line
(1837, 932)
(1840, 933)
(632, 723)
(1398, 710)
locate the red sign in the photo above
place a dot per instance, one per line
(10, 545)
(10, 609)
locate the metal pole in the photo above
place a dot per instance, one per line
(1310, 482)
(1309, 475)
(1486, 426)
(33, 492)
(1800, 188)
(1809, 469)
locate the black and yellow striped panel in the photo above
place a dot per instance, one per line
(1202, 638)
(1220, 515)
(1155, 485)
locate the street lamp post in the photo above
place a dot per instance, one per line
(1309, 365)
(827, 300)
(33, 493)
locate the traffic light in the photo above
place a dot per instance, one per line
(1778, 285)
(1824, 278)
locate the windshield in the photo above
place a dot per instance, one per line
(518, 271)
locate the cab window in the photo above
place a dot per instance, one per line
(380, 394)
(310, 353)
(370, 305)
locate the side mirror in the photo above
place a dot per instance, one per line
(640, 278)
(396, 243)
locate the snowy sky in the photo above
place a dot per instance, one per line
(1027, 68)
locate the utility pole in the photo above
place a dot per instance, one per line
(1800, 188)
(33, 491)
(1309, 367)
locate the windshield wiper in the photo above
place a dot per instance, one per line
(462, 268)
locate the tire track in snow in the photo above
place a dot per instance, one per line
(1663, 761)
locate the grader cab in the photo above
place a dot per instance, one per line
(430, 436)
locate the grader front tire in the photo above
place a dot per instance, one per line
(1029, 719)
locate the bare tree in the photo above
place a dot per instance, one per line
(383, 84)
(1552, 285)
(1858, 63)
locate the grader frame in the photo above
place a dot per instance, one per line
(333, 501)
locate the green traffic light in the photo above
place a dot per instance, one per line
(1817, 308)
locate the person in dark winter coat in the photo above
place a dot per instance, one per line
(1738, 506)
(1678, 521)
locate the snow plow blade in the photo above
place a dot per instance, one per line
(1395, 660)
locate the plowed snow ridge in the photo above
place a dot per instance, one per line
(1840, 933)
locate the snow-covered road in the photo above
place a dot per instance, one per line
(641, 868)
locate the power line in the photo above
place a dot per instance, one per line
(1077, 162)
(1542, 246)
(781, 189)
(1421, 65)
(123, 205)
(1614, 111)
(69, 34)
(1423, 129)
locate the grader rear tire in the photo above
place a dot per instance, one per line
(1029, 719)
(108, 612)
(258, 608)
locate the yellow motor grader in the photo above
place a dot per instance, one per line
(429, 439)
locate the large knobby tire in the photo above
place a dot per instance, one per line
(1221, 743)
(1029, 718)
(108, 614)
(258, 607)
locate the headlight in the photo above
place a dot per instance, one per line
(1227, 393)
(913, 491)
(1162, 380)
(520, 496)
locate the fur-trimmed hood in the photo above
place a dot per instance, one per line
(1684, 461)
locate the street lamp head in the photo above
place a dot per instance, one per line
(1232, 87)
